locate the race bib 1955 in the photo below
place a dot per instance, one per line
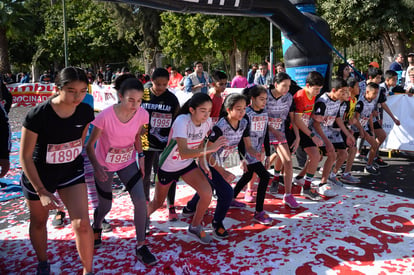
(119, 155)
(64, 152)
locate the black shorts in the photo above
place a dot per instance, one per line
(168, 177)
(306, 141)
(76, 176)
(337, 146)
(377, 125)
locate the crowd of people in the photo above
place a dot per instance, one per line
(270, 121)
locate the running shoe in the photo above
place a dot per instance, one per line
(43, 268)
(311, 194)
(262, 218)
(106, 226)
(145, 256)
(187, 212)
(172, 216)
(348, 178)
(380, 162)
(299, 181)
(248, 196)
(326, 190)
(371, 170)
(360, 158)
(237, 204)
(334, 180)
(219, 231)
(97, 237)
(290, 201)
(199, 233)
(58, 221)
(274, 187)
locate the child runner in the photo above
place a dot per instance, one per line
(185, 143)
(259, 136)
(364, 111)
(117, 135)
(353, 87)
(53, 135)
(304, 101)
(233, 127)
(279, 106)
(219, 85)
(325, 113)
(163, 107)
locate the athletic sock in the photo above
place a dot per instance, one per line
(308, 181)
(276, 175)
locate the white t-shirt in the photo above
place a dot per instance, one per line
(183, 127)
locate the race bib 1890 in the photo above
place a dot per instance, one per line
(64, 152)
(159, 120)
(119, 155)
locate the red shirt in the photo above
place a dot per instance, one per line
(174, 81)
(217, 102)
(303, 105)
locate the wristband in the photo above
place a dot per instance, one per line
(141, 155)
(312, 135)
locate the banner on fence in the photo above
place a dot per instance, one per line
(30, 94)
(399, 137)
(103, 96)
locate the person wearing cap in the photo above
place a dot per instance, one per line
(408, 81)
(108, 74)
(187, 72)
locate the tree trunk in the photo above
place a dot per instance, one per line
(242, 61)
(4, 52)
(393, 44)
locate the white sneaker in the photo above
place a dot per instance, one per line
(327, 190)
(299, 182)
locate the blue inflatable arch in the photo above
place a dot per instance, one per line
(305, 36)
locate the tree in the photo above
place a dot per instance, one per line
(15, 21)
(351, 21)
(190, 37)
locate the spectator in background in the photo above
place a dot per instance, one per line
(108, 75)
(45, 78)
(99, 79)
(168, 67)
(251, 74)
(280, 67)
(187, 72)
(408, 81)
(25, 78)
(239, 81)
(219, 85)
(263, 78)
(398, 63)
(175, 78)
(198, 81)
(343, 71)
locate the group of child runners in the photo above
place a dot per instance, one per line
(147, 129)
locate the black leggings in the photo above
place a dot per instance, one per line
(264, 176)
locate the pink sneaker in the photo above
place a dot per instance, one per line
(290, 201)
(172, 215)
(248, 196)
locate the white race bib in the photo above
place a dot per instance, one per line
(364, 121)
(160, 120)
(328, 121)
(275, 123)
(119, 155)
(305, 119)
(64, 152)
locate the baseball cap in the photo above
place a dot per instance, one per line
(374, 64)
(188, 69)
(410, 54)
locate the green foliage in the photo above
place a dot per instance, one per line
(355, 20)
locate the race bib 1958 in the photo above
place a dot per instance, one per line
(119, 155)
(64, 152)
(159, 120)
